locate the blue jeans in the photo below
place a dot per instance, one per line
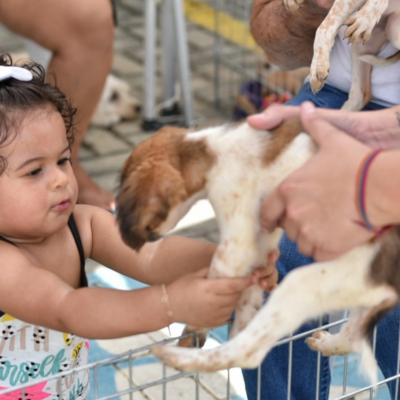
(274, 369)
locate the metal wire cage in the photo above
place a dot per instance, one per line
(158, 380)
(244, 81)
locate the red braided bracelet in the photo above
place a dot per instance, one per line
(360, 194)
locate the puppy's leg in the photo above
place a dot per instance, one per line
(354, 337)
(361, 24)
(360, 91)
(252, 298)
(305, 293)
(393, 29)
(325, 39)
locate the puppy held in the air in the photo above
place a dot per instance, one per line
(236, 167)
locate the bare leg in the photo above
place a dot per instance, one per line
(80, 34)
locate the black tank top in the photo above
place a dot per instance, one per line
(77, 238)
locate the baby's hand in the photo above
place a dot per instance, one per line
(198, 301)
(267, 277)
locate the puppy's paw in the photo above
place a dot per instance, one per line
(167, 354)
(360, 26)
(319, 71)
(191, 359)
(328, 344)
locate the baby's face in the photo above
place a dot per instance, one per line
(38, 189)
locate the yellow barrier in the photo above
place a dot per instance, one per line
(228, 27)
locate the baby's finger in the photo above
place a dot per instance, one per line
(261, 273)
(273, 256)
(268, 283)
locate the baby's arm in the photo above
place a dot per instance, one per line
(45, 300)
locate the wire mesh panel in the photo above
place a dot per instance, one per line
(244, 81)
(141, 376)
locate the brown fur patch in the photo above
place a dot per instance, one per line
(386, 266)
(374, 316)
(195, 159)
(163, 171)
(281, 137)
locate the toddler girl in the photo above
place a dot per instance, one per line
(48, 312)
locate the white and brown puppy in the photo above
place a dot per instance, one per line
(236, 167)
(371, 23)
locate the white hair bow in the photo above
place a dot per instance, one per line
(19, 73)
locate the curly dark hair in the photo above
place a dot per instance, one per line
(18, 97)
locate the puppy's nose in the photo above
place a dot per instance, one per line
(138, 108)
(153, 236)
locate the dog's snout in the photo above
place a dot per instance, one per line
(138, 108)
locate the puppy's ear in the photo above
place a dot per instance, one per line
(145, 200)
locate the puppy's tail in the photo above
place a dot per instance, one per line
(368, 363)
(374, 60)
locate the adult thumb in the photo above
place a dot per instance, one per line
(315, 125)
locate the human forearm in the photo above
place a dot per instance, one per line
(101, 313)
(383, 189)
(176, 256)
(287, 38)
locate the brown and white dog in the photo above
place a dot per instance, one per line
(236, 167)
(371, 23)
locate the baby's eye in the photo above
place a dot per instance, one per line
(64, 160)
(35, 172)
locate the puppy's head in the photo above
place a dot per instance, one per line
(158, 181)
(116, 103)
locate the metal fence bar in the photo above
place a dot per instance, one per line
(398, 369)
(130, 377)
(290, 362)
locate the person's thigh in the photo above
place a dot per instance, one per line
(54, 24)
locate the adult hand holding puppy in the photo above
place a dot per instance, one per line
(316, 205)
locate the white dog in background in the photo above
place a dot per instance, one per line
(116, 103)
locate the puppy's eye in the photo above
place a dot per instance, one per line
(114, 96)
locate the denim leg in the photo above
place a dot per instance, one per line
(387, 341)
(274, 369)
